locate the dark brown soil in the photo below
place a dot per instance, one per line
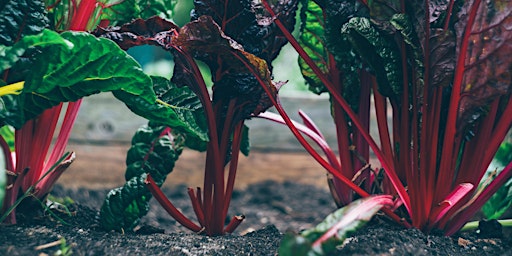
(271, 207)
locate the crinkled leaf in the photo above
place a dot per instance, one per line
(204, 40)
(19, 18)
(93, 65)
(182, 109)
(250, 24)
(312, 40)
(127, 10)
(334, 229)
(442, 57)
(153, 151)
(337, 13)
(379, 52)
(178, 108)
(488, 61)
(320, 37)
(11, 54)
(153, 31)
(438, 12)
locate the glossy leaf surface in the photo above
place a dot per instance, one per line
(21, 18)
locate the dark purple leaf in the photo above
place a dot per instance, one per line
(488, 64)
(153, 31)
(249, 23)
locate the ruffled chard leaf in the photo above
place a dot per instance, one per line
(154, 150)
(338, 60)
(60, 74)
(12, 54)
(248, 23)
(187, 109)
(330, 233)
(204, 40)
(21, 18)
(488, 60)
(379, 52)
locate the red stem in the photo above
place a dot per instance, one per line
(384, 161)
(83, 16)
(233, 165)
(196, 206)
(465, 213)
(449, 150)
(168, 206)
(309, 148)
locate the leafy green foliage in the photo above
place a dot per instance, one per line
(154, 150)
(499, 203)
(437, 65)
(504, 154)
(323, 239)
(62, 74)
(125, 11)
(21, 18)
(47, 38)
(377, 51)
(178, 107)
(7, 134)
(313, 41)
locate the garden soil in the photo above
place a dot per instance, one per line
(277, 193)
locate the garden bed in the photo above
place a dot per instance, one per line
(272, 207)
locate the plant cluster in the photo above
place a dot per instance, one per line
(213, 37)
(47, 61)
(441, 68)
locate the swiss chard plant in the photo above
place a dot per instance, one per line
(442, 69)
(47, 59)
(229, 37)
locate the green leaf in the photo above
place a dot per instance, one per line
(19, 18)
(179, 108)
(312, 40)
(245, 146)
(59, 75)
(125, 11)
(504, 154)
(153, 151)
(323, 239)
(7, 132)
(47, 38)
(379, 51)
(499, 203)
